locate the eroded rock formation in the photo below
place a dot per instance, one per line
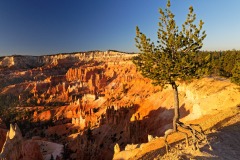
(98, 99)
(13, 144)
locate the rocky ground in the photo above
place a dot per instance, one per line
(223, 137)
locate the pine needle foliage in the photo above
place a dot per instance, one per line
(176, 55)
(236, 74)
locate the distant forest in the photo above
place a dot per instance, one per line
(225, 64)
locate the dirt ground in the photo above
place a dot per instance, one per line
(224, 138)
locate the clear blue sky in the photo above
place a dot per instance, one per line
(37, 27)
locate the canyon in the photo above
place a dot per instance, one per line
(96, 105)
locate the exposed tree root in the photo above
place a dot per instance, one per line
(197, 135)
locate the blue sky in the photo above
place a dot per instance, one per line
(38, 27)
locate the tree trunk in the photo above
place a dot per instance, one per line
(176, 106)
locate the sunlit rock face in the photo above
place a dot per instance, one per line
(15, 147)
(69, 59)
(13, 143)
(7, 62)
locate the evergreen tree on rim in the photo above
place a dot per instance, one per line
(236, 73)
(175, 57)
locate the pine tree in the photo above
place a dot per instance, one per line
(236, 73)
(176, 56)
